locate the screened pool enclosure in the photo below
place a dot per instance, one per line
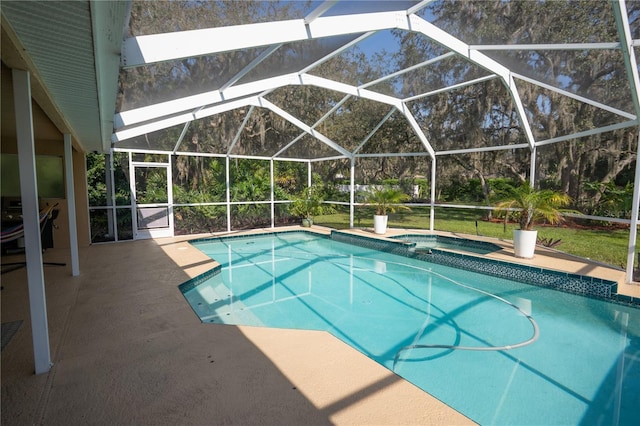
(229, 109)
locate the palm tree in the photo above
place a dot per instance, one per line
(385, 199)
(535, 205)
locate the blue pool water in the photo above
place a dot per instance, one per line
(498, 351)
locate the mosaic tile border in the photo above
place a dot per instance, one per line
(389, 246)
(570, 283)
(556, 280)
(253, 235)
(199, 279)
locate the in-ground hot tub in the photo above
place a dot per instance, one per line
(428, 242)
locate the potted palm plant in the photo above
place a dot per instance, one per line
(307, 204)
(385, 199)
(533, 205)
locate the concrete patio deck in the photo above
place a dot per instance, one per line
(128, 349)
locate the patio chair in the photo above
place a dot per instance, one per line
(17, 231)
(13, 233)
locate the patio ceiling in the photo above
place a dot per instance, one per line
(72, 50)
(75, 50)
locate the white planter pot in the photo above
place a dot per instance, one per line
(524, 243)
(380, 224)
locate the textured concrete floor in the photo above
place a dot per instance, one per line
(127, 349)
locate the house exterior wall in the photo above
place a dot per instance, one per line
(49, 141)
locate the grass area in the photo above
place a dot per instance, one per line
(607, 246)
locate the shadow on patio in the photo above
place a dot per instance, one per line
(127, 349)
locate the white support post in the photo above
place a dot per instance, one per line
(532, 166)
(432, 210)
(170, 197)
(272, 183)
(228, 197)
(626, 44)
(71, 205)
(352, 190)
(31, 220)
(111, 212)
(309, 183)
(134, 196)
(633, 227)
(111, 198)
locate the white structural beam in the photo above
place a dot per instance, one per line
(333, 109)
(419, 6)
(246, 70)
(179, 119)
(483, 149)
(576, 97)
(161, 109)
(318, 11)
(317, 123)
(374, 130)
(420, 25)
(151, 127)
(166, 114)
(587, 133)
(255, 35)
(308, 79)
(524, 122)
(160, 47)
(336, 52)
(71, 205)
(437, 34)
(289, 145)
(148, 49)
(555, 46)
(406, 70)
(630, 60)
(450, 88)
(293, 120)
(393, 154)
(319, 27)
(319, 159)
(631, 64)
(31, 220)
(236, 138)
(416, 128)
(181, 137)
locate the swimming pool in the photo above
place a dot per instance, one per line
(498, 351)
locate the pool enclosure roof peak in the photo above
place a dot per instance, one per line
(341, 79)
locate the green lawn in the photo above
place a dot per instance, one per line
(608, 246)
